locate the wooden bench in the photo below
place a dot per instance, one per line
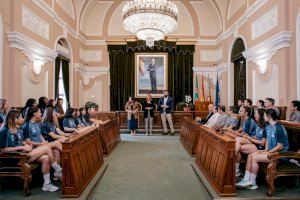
(215, 157)
(16, 164)
(189, 135)
(82, 157)
(109, 135)
(279, 168)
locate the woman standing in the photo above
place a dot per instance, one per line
(131, 108)
(148, 113)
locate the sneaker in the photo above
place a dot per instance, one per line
(172, 134)
(243, 184)
(57, 176)
(50, 188)
(254, 186)
(237, 174)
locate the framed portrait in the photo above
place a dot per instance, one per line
(151, 74)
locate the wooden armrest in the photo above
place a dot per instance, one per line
(15, 154)
(287, 154)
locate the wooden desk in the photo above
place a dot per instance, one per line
(105, 115)
(215, 157)
(109, 135)
(82, 157)
(189, 135)
(177, 117)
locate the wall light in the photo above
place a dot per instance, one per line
(262, 65)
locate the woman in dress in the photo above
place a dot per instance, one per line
(148, 109)
(131, 108)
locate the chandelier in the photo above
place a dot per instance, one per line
(150, 20)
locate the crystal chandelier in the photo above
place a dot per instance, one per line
(150, 20)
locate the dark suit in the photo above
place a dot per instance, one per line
(203, 121)
(152, 72)
(166, 114)
(170, 104)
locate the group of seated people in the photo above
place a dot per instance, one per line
(256, 130)
(35, 130)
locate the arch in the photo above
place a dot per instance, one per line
(230, 73)
(71, 65)
(67, 6)
(298, 53)
(1, 56)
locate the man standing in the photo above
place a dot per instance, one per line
(152, 71)
(165, 106)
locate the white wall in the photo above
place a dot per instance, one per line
(95, 91)
(36, 89)
(266, 88)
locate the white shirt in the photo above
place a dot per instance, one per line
(213, 120)
(165, 102)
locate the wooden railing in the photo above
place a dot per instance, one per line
(189, 135)
(109, 135)
(215, 157)
(177, 117)
(82, 157)
(105, 115)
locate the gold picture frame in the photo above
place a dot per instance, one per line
(151, 76)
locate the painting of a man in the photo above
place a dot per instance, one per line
(151, 74)
(152, 70)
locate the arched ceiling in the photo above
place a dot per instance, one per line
(206, 16)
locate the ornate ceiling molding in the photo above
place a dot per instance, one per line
(270, 47)
(89, 73)
(30, 47)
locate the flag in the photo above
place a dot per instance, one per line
(209, 93)
(196, 89)
(202, 86)
(217, 101)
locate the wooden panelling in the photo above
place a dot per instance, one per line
(82, 157)
(177, 117)
(189, 135)
(109, 135)
(215, 157)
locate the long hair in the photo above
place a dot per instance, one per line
(31, 112)
(76, 110)
(69, 113)
(2, 105)
(59, 107)
(261, 122)
(48, 115)
(10, 120)
(80, 112)
(29, 104)
(50, 103)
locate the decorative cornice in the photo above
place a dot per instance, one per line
(89, 73)
(268, 48)
(30, 47)
(211, 70)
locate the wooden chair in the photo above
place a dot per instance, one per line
(16, 164)
(277, 167)
(282, 110)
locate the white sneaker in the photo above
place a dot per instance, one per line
(57, 176)
(237, 174)
(50, 187)
(243, 184)
(254, 186)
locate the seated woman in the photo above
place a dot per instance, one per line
(232, 121)
(295, 111)
(277, 141)
(81, 117)
(248, 126)
(4, 106)
(90, 120)
(69, 122)
(31, 103)
(33, 133)
(77, 120)
(59, 106)
(12, 139)
(50, 131)
(247, 144)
